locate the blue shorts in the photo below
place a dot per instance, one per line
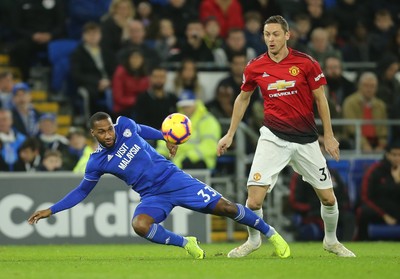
(180, 189)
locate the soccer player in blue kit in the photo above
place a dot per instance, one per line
(124, 152)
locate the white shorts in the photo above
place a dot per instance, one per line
(273, 154)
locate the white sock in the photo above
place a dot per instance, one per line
(254, 235)
(330, 215)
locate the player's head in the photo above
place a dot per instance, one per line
(102, 128)
(276, 33)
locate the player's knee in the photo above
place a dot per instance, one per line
(254, 204)
(328, 201)
(141, 225)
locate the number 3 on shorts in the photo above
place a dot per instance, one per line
(205, 196)
(324, 174)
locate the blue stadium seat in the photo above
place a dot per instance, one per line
(342, 167)
(59, 52)
(357, 171)
(383, 232)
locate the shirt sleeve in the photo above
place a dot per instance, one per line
(74, 197)
(149, 133)
(315, 76)
(248, 83)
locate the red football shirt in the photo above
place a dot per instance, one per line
(287, 91)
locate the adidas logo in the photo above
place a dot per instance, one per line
(257, 222)
(109, 157)
(167, 240)
(265, 74)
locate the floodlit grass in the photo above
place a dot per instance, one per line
(309, 260)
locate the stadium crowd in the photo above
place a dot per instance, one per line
(124, 48)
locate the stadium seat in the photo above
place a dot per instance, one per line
(357, 171)
(59, 52)
(342, 167)
(383, 232)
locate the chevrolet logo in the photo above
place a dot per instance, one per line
(280, 85)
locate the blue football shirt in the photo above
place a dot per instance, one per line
(131, 159)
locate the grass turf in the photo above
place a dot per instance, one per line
(309, 260)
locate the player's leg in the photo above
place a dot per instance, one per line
(271, 156)
(146, 224)
(247, 217)
(311, 164)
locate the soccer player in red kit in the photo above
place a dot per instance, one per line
(290, 81)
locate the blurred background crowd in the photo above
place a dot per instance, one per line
(61, 61)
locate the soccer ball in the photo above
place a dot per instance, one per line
(176, 128)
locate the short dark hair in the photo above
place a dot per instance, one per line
(97, 117)
(31, 143)
(280, 20)
(90, 26)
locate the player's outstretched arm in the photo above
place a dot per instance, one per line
(41, 214)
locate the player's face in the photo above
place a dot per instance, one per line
(103, 131)
(275, 37)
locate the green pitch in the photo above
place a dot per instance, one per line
(374, 260)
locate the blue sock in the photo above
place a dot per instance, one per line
(249, 218)
(158, 234)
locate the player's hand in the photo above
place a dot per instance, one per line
(332, 147)
(389, 219)
(224, 144)
(35, 217)
(173, 148)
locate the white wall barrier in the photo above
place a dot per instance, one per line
(103, 217)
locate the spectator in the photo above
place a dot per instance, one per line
(149, 19)
(29, 156)
(357, 48)
(363, 104)
(6, 86)
(115, 25)
(25, 116)
(381, 33)
(82, 12)
(221, 105)
(339, 87)
(389, 86)
(345, 12)
(228, 13)
(266, 8)
(130, 80)
(36, 24)
(253, 32)
(235, 44)
(187, 78)
(235, 79)
(319, 47)
(52, 161)
(302, 23)
(137, 34)
(156, 103)
(294, 40)
(211, 37)
(194, 47)
(380, 193)
(394, 45)
(307, 218)
(76, 148)
(80, 166)
(316, 11)
(48, 137)
(199, 151)
(10, 140)
(92, 68)
(167, 43)
(180, 12)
